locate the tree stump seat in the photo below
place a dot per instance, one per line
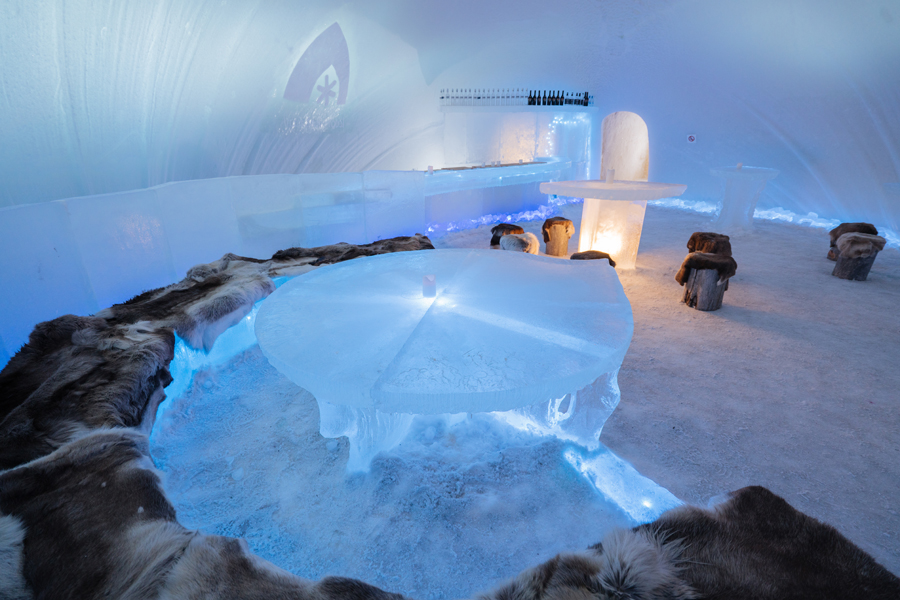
(843, 228)
(705, 278)
(856, 254)
(557, 231)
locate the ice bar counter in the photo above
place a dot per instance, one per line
(535, 340)
(613, 213)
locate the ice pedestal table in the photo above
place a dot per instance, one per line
(743, 185)
(613, 213)
(535, 340)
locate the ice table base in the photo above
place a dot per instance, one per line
(578, 417)
(613, 213)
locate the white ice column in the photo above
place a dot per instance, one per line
(743, 185)
(614, 227)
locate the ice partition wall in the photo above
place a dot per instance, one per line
(80, 255)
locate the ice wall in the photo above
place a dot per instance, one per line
(78, 255)
(103, 96)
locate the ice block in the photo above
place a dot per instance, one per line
(743, 185)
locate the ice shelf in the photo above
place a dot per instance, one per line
(743, 185)
(613, 190)
(536, 338)
(613, 213)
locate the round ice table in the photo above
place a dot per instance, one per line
(537, 340)
(743, 185)
(613, 214)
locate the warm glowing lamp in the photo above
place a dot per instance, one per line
(613, 213)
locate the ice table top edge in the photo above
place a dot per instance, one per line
(615, 190)
(474, 348)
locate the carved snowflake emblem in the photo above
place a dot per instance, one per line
(326, 91)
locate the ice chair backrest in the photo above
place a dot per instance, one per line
(625, 147)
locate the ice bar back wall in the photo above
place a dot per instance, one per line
(106, 97)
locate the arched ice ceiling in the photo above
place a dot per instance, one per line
(100, 96)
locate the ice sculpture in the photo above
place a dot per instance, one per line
(613, 213)
(743, 185)
(537, 339)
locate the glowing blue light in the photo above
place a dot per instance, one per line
(640, 498)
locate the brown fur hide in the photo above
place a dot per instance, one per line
(725, 265)
(214, 296)
(98, 525)
(754, 546)
(843, 228)
(501, 229)
(859, 245)
(557, 222)
(77, 374)
(593, 255)
(520, 242)
(710, 243)
(757, 546)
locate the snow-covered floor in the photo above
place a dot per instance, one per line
(448, 513)
(794, 384)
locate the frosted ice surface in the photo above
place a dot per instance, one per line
(122, 243)
(43, 274)
(614, 190)
(394, 203)
(743, 185)
(199, 221)
(641, 498)
(505, 331)
(188, 361)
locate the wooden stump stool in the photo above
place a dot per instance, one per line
(557, 231)
(843, 228)
(856, 254)
(593, 255)
(705, 279)
(501, 229)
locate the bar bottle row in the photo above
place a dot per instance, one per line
(513, 97)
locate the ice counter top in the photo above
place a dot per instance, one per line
(613, 190)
